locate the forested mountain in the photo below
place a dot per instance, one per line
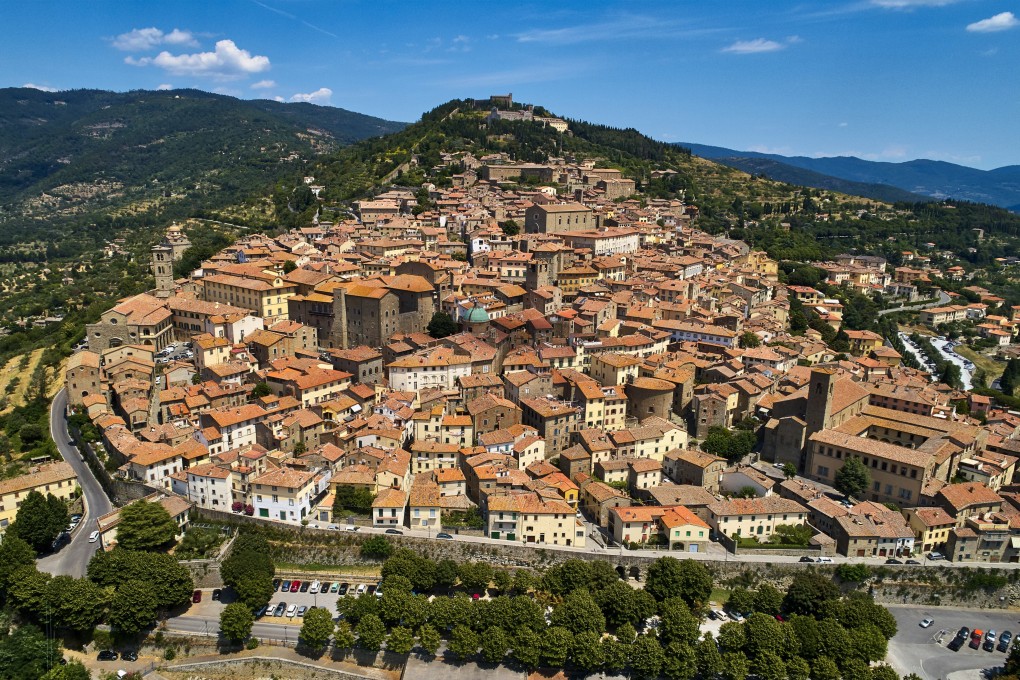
(935, 179)
(80, 157)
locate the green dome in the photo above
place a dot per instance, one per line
(477, 314)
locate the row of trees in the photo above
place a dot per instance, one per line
(580, 615)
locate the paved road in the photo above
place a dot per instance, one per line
(73, 558)
(210, 625)
(916, 650)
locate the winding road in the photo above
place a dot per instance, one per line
(73, 559)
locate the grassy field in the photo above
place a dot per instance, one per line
(992, 368)
(16, 397)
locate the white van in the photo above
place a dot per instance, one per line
(824, 560)
(93, 537)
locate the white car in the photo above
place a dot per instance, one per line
(93, 537)
(314, 587)
(291, 610)
(927, 621)
(362, 588)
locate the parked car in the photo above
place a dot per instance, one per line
(1004, 641)
(371, 589)
(893, 560)
(737, 616)
(989, 645)
(351, 527)
(936, 556)
(397, 532)
(304, 587)
(196, 596)
(280, 609)
(912, 562)
(130, 656)
(956, 643)
(262, 612)
(443, 534)
(344, 587)
(335, 587)
(285, 588)
(808, 559)
(107, 655)
(301, 610)
(824, 560)
(216, 594)
(276, 584)
(315, 587)
(378, 589)
(295, 586)
(362, 588)
(291, 611)
(975, 638)
(927, 621)
(75, 518)
(93, 537)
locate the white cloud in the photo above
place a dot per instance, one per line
(263, 85)
(165, 86)
(623, 27)
(755, 46)
(907, 4)
(227, 62)
(1000, 22)
(844, 124)
(44, 88)
(141, 39)
(320, 96)
(278, 98)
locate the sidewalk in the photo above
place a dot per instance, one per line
(285, 655)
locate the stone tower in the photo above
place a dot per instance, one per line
(537, 275)
(819, 405)
(163, 269)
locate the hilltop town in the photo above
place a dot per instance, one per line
(542, 354)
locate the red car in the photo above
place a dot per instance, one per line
(294, 586)
(196, 596)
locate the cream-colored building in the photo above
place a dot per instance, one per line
(266, 296)
(285, 494)
(57, 478)
(531, 519)
(436, 367)
(756, 517)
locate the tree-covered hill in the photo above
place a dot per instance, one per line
(69, 154)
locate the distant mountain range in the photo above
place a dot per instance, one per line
(909, 181)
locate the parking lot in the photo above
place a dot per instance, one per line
(211, 608)
(918, 650)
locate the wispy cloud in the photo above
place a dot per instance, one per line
(293, 17)
(227, 62)
(264, 85)
(910, 4)
(141, 39)
(44, 88)
(1000, 22)
(620, 28)
(320, 96)
(164, 86)
(756, 46)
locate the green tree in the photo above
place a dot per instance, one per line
(732, 637)
(133, 607)
(371, 632)
(798, 669)
(646, 657)
(741, 600)
(808, 593)
(441, 325)
(446, 573)
(853, 573)
(883, 672)
(475, 576)
(28, 590)
(749, 340)
(735, 666)
(578, 613)
(74, 670)
(527, 648)
(689, 580)
(261, 389)
(77, 603)
(677, 623)
(38, 522)
(767, 599)
(400, 641)
(868, 642)
(680, 662)
(768, 666)
(626, 634)
(586, 652)
(316, 628)
(805, 629)
(855, 669)
(567, 576)
(761, 631)
(255, 590)
(524, 580)
(15, 553)
(343, 636)
(145, 526)
(463, 642)
(619, 604)
(853, 478)
(429, 639)
(495, 645)
(236, 621)
(503, 580)
(615, 655)
(556, 644)
(376, 547)
(789, 470)
(709, 660)
(26, 654)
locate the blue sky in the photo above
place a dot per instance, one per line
(884, 80)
